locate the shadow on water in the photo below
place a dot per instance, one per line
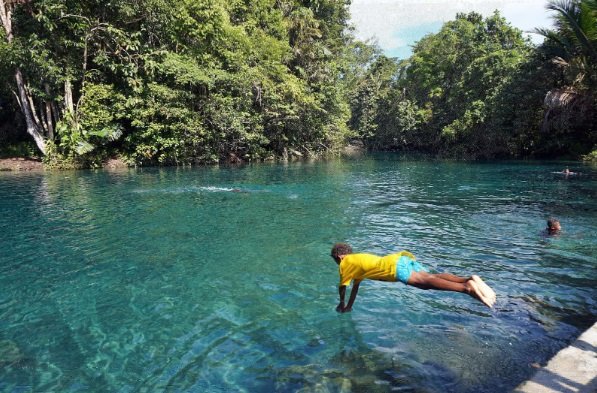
(352, 366)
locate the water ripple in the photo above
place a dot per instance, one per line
(219, 279)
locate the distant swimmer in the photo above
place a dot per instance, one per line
(553, 227)
(401, 267)
(567, 172)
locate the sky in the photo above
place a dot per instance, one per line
(397, 24)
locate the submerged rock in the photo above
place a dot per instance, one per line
(11, 355)
(9, 351)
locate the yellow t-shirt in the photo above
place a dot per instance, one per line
(360, 266)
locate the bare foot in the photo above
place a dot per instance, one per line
(475, 291)
(486, 289)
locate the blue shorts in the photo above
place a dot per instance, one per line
(405, 266)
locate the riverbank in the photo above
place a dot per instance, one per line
(18, 164)
(21, 164)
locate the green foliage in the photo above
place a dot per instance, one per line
(181, 81)
(184, 81)
(18, 149)
(457, 74)
(591, 157)
(478, 89)
(100, 109)
(443, 98)
(164, 128)
(372, 91)
(517, 111)
(571, 103)
(92, 127)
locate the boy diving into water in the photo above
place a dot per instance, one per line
(399, 267)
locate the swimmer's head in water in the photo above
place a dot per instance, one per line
(553, 225)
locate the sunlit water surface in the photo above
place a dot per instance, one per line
(219, 279)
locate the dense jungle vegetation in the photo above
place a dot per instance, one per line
(186, 81)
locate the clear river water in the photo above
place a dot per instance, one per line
(218, 279)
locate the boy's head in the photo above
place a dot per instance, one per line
(553, 225)
(340, 249)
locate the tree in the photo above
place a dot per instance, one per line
(570, 107)
(454, 78)
(23, 94)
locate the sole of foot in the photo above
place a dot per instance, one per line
(486, 289)
(478, 294)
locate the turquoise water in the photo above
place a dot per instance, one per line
(219, 279)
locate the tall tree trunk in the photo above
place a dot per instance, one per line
(69, 105)
(49, 119)
(6, 15)
(68, 97)
(33, 127)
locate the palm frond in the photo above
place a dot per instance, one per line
(551, 35)
(588, 19)
(591, 6)
(556, 44)
(572, 18)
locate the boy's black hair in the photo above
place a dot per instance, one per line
(552, 222)
(340, 249)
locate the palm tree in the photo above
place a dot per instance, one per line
(573, 47)
(574, 42)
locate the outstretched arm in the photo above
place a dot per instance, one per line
(353, 296)
(342, 293)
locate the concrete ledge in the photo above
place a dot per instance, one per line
(572, 370)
